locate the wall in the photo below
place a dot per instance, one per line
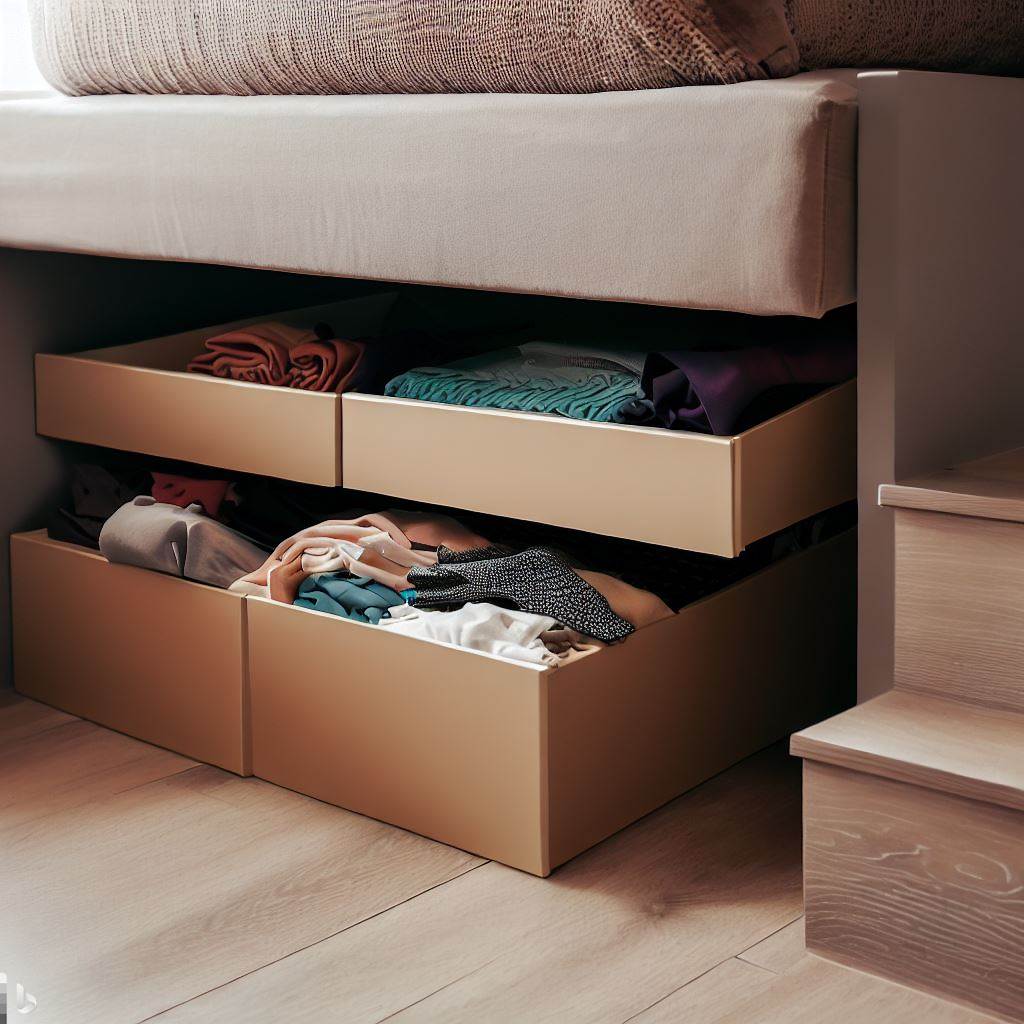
(940, 295)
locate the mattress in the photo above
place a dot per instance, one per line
(738, 197)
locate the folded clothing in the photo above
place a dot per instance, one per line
(314, 358)
(479, 626)
(257, 354)
(709, 391)
(179, 541)
(327, 364)
(598, 384)
(350, 597)
(536, 580)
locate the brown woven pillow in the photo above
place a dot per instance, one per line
(247, 47)
(981, 36)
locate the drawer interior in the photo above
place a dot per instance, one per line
(139, 398)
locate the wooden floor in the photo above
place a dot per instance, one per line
(136, 885)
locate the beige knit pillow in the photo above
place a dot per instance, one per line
(981, 36)
(247, 47)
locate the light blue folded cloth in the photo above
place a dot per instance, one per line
(349, 597)
(599, 384)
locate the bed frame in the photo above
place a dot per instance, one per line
(941, 272)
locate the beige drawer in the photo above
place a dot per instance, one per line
(682, 490)
(530, 766)
(154, 656)
(139, 398)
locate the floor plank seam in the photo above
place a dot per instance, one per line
(98, 798)
(740, 956)
(151, 782)
(302, 949)
(49, 728)
(430, 995)
(686, 984)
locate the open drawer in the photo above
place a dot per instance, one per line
(678, 489)
(158, 657)
(528, 765)
(139, 398)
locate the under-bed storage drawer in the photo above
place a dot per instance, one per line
(154, 656)
(140, 398)
(530, 766)
(679, 489)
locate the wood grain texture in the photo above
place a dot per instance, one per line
(959, 626)
(123, 907)
(779, 952)
(928, 741)
(610, 934)
(20, 717)
(915, 885)
(71, 764)
(815, 991)
(990, 488)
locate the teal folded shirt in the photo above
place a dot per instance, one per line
(596, 384)
(351, 597)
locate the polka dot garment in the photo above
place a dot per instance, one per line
(536, 580)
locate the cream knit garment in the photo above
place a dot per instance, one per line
(251, 47)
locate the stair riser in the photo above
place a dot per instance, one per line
(960, 608)
(916, 885)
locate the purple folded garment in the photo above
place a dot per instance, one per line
(709, 391)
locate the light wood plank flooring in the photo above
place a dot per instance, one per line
(136, 885)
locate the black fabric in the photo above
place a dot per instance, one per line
(97, 492)
(536, 580)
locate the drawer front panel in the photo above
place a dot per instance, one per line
(441, 741)
(532, 766)
(154, 656)
(678, 489)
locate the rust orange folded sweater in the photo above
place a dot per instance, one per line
(326, 365)
(257, 354)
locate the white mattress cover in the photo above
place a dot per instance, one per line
(736, 197)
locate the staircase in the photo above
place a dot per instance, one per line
(914, 801)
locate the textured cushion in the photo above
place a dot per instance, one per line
(247, 47)
(983, 36)
(731, 197)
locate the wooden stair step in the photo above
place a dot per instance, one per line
(914, 846)
(989, 488)
(941, 744)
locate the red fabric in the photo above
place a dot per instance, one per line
(184, 491)
(258, 354)
(329, 365)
